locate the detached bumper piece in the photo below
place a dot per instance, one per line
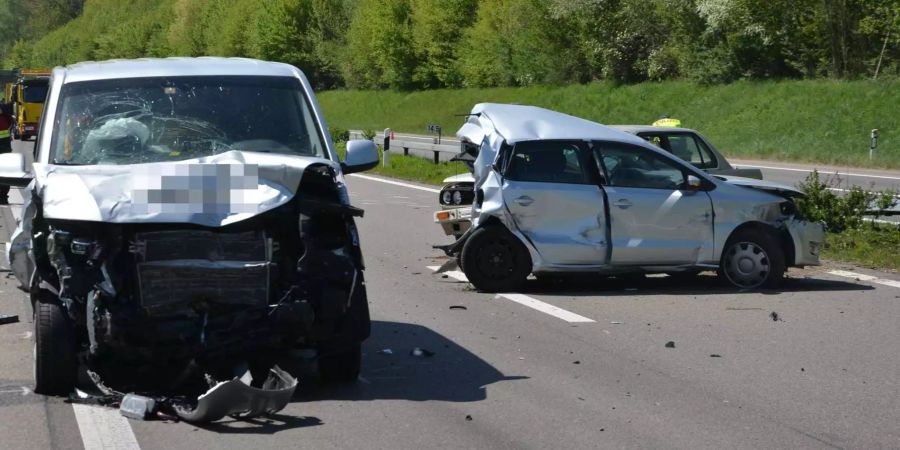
(237, 398)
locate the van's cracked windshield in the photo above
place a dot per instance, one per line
(177, 118)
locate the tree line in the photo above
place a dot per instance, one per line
(424, 44)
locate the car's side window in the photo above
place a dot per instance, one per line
(547, 162)
(685, 146)
(632, 166)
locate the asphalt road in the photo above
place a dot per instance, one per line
(505, 375)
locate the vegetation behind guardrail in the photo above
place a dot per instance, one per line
(817, 120)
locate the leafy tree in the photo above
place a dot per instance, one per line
(380, 51)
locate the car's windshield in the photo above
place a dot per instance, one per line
(131, 121)
(35, 93)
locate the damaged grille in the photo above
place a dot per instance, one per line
(181, 267)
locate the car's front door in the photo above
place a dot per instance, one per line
(555, 202)
(655, 218)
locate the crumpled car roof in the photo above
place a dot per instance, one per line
(528, 123)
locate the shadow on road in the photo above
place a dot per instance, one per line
(703, 284)
(452, 374)
(269, 424)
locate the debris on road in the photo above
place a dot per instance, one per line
(137, 407)
(775, 317)
(468, 418)
(670, 344)
(616, 322)
(715, 355)
(576, 362)
(7, 319)
(421, 352)
(239, 398)
(460, 307)
(385, 351)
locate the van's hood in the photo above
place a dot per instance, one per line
(211, 191)
(763, 185)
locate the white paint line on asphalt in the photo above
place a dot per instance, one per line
(455, 274)
(395, 183)
(104, 428)
(791, 169)
(525, 300)
(864, 277)
(546, 308)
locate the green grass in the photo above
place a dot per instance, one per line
(820, 121)
(413, 168)
(867, 247)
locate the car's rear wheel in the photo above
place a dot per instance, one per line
(752, 259)
(494, 260)
(341, 366)
(55, 362)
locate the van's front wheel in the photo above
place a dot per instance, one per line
(494, 260)
(55, 362)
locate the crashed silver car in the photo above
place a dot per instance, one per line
(554, 194)
(187, 223)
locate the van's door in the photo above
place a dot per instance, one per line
(555, 202)
(655, 218)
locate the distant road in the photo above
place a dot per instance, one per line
(777, 171)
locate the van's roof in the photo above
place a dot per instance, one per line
(167, 67)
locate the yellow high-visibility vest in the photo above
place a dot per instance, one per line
(667, 122)
(4, 134)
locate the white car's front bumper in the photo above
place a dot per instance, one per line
(454, 221)
(809, 239)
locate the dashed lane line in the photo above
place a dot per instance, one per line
(525, 300)
(864, 277)
(104, 428)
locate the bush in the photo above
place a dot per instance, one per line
(840, 213)
(339, 134)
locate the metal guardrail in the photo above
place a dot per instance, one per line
(436, 152)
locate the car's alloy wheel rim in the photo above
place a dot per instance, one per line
(746, 264)
(495, 260)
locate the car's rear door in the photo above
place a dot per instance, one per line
(555, 201)
(654, 218)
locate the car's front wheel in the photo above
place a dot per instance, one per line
(55, 362)
(752, 259)
(494, 260)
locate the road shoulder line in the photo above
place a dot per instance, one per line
(864, 277)
(104, 428)
(396, 183)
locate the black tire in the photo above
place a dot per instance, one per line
(752, 259)
(341, 366)
(55, 361)
(495, 261)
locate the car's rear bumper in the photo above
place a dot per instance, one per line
(454, 221)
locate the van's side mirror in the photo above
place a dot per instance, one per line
(12, 170)
(361, 155)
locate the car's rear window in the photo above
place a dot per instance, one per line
(128, 121)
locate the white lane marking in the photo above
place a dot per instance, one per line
(546, 308)
(104, 428)
(864, 277)
(525, 300)
(791, 169)
(396, 183)
(455, 274)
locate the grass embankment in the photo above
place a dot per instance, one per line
(868, 247)
(816, 121)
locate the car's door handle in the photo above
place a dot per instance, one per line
(623, 203)
(524, 200)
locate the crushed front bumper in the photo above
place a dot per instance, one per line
(809, 239)
(454, 221)
(238, 398)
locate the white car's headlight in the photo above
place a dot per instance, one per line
(446, 197)
(457, 198)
